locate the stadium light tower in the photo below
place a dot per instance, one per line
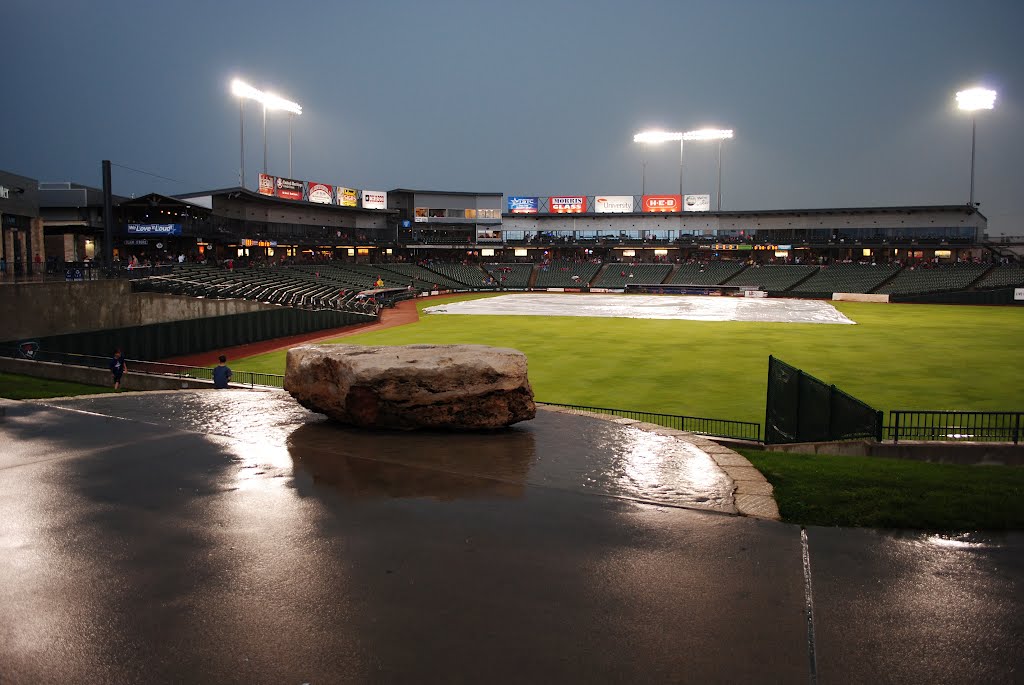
(718, 134)
(971, 100)
(656, 137)
(269, 101)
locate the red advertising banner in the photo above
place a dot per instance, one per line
(662, 203)
(266, 184)
(321, 192)
(567, 205)
(289, 189)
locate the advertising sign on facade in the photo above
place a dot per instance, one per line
(662, 203)
(266, 184)
(348, 197)
(322, 193)
(567, 205)
(1018, 293)
(154, 229)
(613, 204)
(375, 199)
(522, 205)
(696, 203)
(289, 189)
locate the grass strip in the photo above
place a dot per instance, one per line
(18, 387)
(892, 493)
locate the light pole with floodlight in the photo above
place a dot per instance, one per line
(662, 137)
(971, 100)
(718, 134)
(269, 101)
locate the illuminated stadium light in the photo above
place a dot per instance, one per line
(971, 100)
(657, 136)
(664, 137)
(718, 134)
(708, 134)
(976, 98)
(270, 101)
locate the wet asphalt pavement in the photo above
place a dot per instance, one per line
(179, 538)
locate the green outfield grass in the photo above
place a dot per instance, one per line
(898, 356)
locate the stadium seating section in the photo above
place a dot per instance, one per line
(1006, 276)
(511, 275)
(709, 273)
(464, 275)
(618, 275)
(309, 287)
(562, 274)
(345, 286)
(773, 277)
(847, 278)
(916, 280)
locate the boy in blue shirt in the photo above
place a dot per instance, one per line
(221, 373)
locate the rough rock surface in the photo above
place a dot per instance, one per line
(413, 386)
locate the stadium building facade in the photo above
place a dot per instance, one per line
(21, 229)
(653, 233)
(294, 219)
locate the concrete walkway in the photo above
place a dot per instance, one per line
(136, 551)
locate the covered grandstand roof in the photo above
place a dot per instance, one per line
(239, 192)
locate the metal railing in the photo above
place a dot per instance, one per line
(250, 379)
(956, 426)
(721, 428)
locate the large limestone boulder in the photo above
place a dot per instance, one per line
(412, 386)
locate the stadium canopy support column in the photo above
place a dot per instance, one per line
(108, 218)
(680, 172)
(974, 133)
(241, 142)
(719, 193)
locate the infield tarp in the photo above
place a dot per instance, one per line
(689, 307)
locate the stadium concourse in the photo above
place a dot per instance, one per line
(233, 537)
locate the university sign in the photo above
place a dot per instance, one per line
(613, 204)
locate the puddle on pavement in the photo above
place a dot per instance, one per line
(562, 451)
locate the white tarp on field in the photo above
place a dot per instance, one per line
(692, 307)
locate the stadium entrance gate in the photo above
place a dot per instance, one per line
(801, 408)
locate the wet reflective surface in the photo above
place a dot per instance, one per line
(134, 551)
(692, 307)
(554, 450)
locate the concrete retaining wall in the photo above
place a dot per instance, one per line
(102, 377)
(37, 310)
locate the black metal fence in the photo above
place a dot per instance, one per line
(801, 408)
(956, 426)
(721, 428)
(238, 378)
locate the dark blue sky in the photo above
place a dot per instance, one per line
(834, 103)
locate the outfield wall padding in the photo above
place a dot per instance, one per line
(191, 336)
(860, 297)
